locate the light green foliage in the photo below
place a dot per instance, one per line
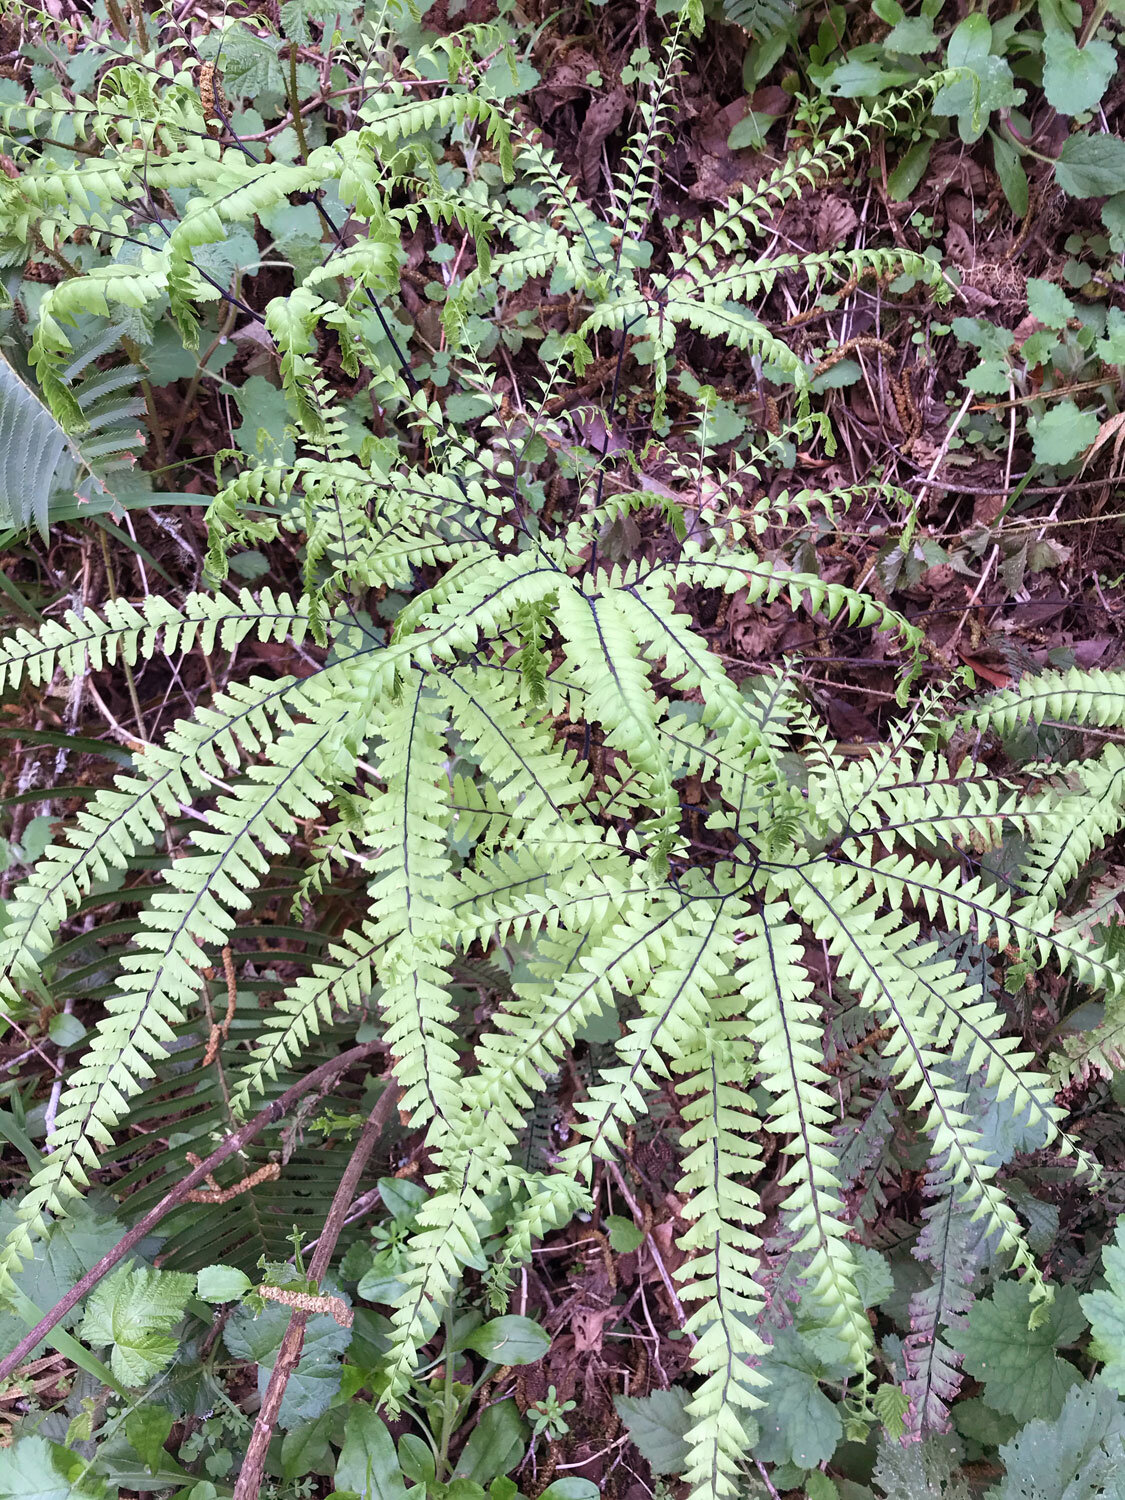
(33, 1469)
(133, 1311)
(435, 761)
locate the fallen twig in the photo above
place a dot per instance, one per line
(253, 1465)
(179, 1194)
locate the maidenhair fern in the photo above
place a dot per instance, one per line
(436, 762)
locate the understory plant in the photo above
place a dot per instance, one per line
(544, 770)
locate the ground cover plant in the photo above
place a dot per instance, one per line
(555, 976)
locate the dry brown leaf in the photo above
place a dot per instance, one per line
(602, 119)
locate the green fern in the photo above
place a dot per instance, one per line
(436, 767)
(42, 460)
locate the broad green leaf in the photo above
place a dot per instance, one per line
(1075, 78)
(1021, 1371)
(510, 1340)
(296, 15)
(495, 1444)
(1010, 170)
(570, 1488)
(250, 64)
(1049, 303)
(873, 1279)
(1062, 433)
(221, 1283)
(658, 1426)
(29, 1470)
(865, 76)
(316, 1380)
(908, 171)
(402, 1198)
(132, 1311)
(368, 1464)
(380, 1281)
(147, 1428)
(65, 1030)
(1091, 166)
(985, 83)
(913, 36)
(750, 131)
(305, 1448)
(416, 1458)
(1078, 1455)
(1111, 349)
(1113, 217)
(624, 1235)
(1106, 1311)
(799, 1424)
(265, 416)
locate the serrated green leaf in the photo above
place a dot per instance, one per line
(29, 1470)
(1091, 166)
(924, 1470)
(265, 417)
(1062, 433)
(1079, 1455)
(658, 1426)
(1049, 303)
(1021, 1371)
(799, 1424)
(913, 36)
(132, 1311)
(873, 1278)
(1105, 1310)
(250, 64)
(1075, 78)
(296, 15)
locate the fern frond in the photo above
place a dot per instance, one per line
(786, 1029)
(124, 631)
(408, 902)
(205, 893)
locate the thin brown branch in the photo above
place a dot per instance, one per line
(253, 1466)
(179, 1194)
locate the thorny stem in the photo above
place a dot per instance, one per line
(295, 102)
